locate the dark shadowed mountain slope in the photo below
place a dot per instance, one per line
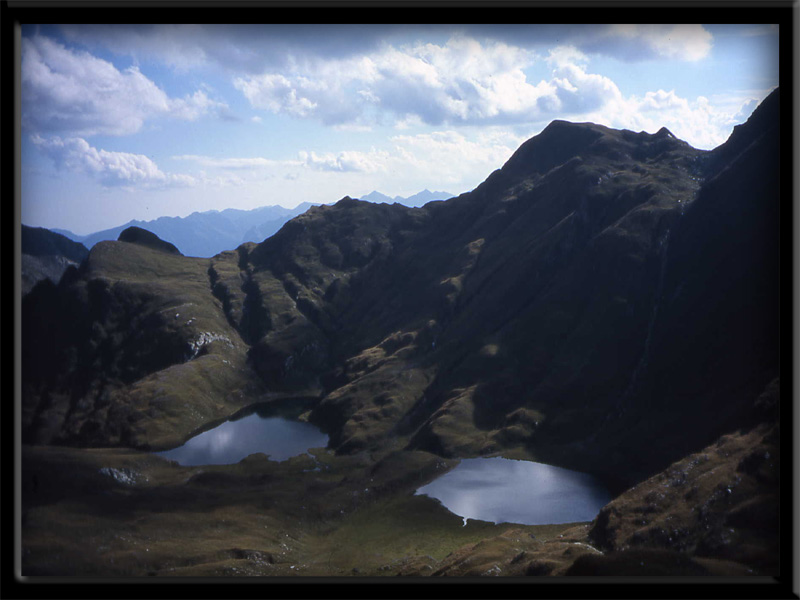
(37, 241)
(500, 302)
(46, 255)
(532, 311)
(712, 342)
(607, 300)
(130, 349)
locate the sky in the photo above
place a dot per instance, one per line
(124, 122)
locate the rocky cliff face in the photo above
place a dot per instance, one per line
(607, 300)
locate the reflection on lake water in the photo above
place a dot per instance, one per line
(230, 442)
(516, 491)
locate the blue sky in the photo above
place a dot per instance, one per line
(125, 122)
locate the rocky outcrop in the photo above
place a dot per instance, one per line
(720, 503)
(137, 235)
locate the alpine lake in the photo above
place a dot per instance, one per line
(497, 490)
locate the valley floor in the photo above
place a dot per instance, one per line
(118, 512)
(125, 513)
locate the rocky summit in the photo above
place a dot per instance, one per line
(607, 301)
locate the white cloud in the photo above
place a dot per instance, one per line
(71, 91)
(566, 55)
(347, 161)
(182, 46)
(254, 49)
(644, 42)
(231, 163)
(248, 49)
(681, 42)
(433, 159)
(462, 159)
(315, 88)
(109, 168)
(450, 157)
(579, 92)
(195, 106)
(461, 81)
(276, 93)
(698, 122)
(467, 80)
(438, 158)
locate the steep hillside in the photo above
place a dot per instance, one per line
(721, 502)
(37, 241)
(539, 311)
(130, 349)
(712, 342)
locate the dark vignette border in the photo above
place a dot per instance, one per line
(14, 13)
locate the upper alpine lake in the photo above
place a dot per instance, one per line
(276, 436)
(502, 490)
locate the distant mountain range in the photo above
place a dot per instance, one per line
(206, 234)
(419, 199)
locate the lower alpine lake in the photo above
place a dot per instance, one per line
(502, 490)
(277, 436)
